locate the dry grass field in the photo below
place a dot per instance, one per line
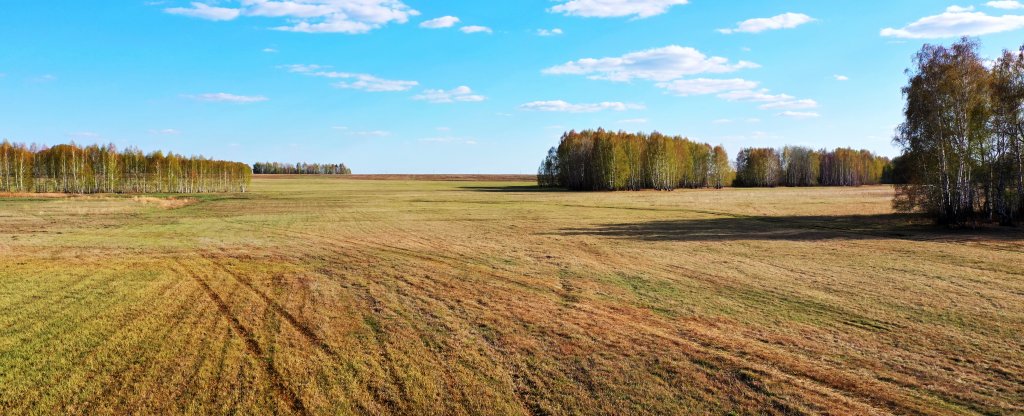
(333, 296)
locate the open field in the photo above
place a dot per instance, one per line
(333, 296)
(443, 177)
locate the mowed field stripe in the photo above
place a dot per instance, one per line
(279, 383)
(344, 252)
(420, 298)
(311, 336)
(846, 389)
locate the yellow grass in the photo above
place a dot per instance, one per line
(333, 296)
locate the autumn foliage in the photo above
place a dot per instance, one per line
(70, 168)
(963, 135)
(277, 168)
(803, 166)
(600, 160)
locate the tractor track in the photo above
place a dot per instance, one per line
(277, 380)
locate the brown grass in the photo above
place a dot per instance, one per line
(335, 296)
(162, 202)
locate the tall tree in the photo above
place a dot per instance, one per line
(946, 131)
(599, 160)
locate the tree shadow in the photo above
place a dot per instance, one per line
(797, 228)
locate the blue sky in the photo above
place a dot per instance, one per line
(415, 86)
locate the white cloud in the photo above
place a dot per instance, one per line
(310, 16)
(841, 77)
(959, 9)
(440, 22)
(44, 78)
(1006, 4)
(355, 81)
(370, 83)
(799, 114)
(771, 101)
(615, 8)
(203, 11)
(165, 132)
(460, 94)
(659, 64)
(790, 104)
(476, 29)
(782, 21)
(302, 68)
(223, 97)
(293, 9)
(701, 86)
(549, 32)
(670, 64)
(955, 22)
(562, 106)
(270, 50)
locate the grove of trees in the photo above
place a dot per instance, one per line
(963, 135)
(600, 160)
(803, 166)
(70, 168)
(275, 168)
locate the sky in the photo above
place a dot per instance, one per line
(455, 86)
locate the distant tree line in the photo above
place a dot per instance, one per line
(963, 135)
(275, 168)
(803, 166)
(600, 160)
(70, 168)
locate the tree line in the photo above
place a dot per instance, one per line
(804, 166)
(600, 160)
(963, 135)
(276, 168)
(69, 168)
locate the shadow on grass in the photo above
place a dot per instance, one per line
(510, 188)
(797, 228)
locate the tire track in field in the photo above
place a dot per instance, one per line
(515, 373)
(702, 342)
(375, 306)
(120, 372)
(308, 333)
(715, 344)
(315, 339)
(438, 258)
(709, 344)
(370, 251)
(389, 363)
(793, 366)
(252, 346)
